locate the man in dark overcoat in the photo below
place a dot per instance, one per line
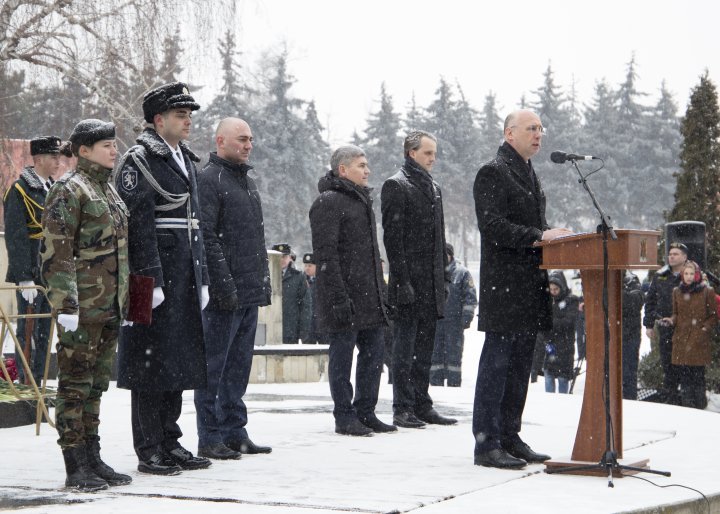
(514, 302)
(294, 297)
(414, 236)
(234, 236)
(350, 306)
(157, 179)
(24, 203)
(658, 305)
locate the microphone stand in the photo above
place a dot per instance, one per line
(608, 462)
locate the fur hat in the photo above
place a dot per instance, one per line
(90, 131)
(175, 95)
(44, 145)
(283, 248)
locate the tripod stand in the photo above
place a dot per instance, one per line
(608, 462)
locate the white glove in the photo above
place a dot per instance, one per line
(69, 321)
(158, 297)
(28, 294)
(126, 323)
(204, 297)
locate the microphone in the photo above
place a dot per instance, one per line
(561, 157)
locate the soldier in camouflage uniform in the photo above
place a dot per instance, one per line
(85, 266)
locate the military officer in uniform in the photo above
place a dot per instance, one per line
(311, 334)
(24, 202)
(459, 313)
(85, 266)
(294, 303)
(157, 180)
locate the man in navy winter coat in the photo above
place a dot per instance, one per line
(234, 235)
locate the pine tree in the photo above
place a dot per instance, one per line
(233, 99)
(383, 143)
(551, 106)
(288, 158)
(698, 183)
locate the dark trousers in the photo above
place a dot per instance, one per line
(368, 369)
(692, 386)
(671, 380)
(40, 335)
(413, 342)
(229, 344)
(154, 421)
(630, 359)
(447, 353)
(501, 388)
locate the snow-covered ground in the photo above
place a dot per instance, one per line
(314, 470)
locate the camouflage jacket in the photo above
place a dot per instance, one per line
(84, 251)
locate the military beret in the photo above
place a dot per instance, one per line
(283, 248)
(175, 95)
(44, 144)
(88, 132)
(308, 258)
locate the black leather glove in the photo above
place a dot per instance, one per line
(344, 311)
(228, 303)
(405, 294)
(467, 321)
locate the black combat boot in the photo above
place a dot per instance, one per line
(79, 473)
(101, 469)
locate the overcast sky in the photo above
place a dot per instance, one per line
(341, 51)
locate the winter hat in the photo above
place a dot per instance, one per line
(308, 258)
(44, 145)
(283, 248)
(555, 278)
(88, 132)
(175, 95)
(450, 250)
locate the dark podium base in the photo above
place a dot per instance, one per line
(596, 471)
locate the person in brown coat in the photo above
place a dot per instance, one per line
(694, 317)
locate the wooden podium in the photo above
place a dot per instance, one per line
(633, 249)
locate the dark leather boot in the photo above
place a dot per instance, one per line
(92, 446)
(79, 473)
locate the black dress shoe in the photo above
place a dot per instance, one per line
(407, 420)
(159, 464)
(498, 458)
(247, 446)
(218, 451)
(352, 427)
(522, 451)
(432, 417)
(373, 423)
(187, 460)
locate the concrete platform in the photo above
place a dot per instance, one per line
(314, 470)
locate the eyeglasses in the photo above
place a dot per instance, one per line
(535, 129)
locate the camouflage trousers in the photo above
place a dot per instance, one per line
(84, 365)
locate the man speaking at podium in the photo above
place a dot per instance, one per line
(514, 299)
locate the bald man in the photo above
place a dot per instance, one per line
(232, 227)
(514, 299)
